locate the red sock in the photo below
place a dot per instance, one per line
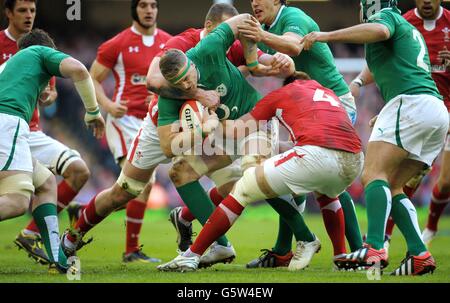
(87, 220)
(135, 216)
(438, 203)
(333, 218)
(409, 191)
(215, 197)
(65, 195)
(218, 224)
(390, 226)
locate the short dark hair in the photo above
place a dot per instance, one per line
(10, 4)
(296, 76)
(283, 2)
(36, 37)
(218, 10)
(171, 63)
(134, 4)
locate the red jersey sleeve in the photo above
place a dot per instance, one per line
(184, 41)
(108, 52)
(265, 109)
(236, 54)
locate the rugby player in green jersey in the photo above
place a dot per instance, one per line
(407, 136)
(22, 79)
(279, 28)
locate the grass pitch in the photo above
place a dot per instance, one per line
(256, 229)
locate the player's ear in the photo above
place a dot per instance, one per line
(209, 25)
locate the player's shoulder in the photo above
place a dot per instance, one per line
(191, 33)
(410, 15)
(446, 13)
(163, 34)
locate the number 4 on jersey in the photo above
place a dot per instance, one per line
(321, 96)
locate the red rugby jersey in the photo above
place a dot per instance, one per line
(437, 36)
(129, 55)
(312, 114)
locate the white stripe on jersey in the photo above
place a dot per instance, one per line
(120, 70)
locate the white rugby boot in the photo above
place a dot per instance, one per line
(217, 254)
(303, 254)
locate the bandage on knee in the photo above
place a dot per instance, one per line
(40, 174)
(251, 161)
(131, 186)
(195, 162)
(247, 189)
(62, 162)
(21, 184)
(225, 175)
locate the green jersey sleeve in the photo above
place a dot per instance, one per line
(168, 110)
(213, 48)
(52, 60)
(292, 22)
(386, 19)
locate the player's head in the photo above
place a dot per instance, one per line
(36, 37)
(296, 76)
(144, 12)
(266, 10)
(428, 9)
(218, 13)
(371, 7)
(178, 69)
(20, 14)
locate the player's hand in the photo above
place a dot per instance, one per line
(444, 55)
(94, 120)
(261, 70)
(117, 109)
(313, 37)
(372, 121)
(355, 89)
(284, 64)
(210, 122)
(208, 98)
(48, 96)
(251, 29)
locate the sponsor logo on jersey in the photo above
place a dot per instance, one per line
(133, 49)
(7, 56)
(137, 79)
(222, 90)
(234, 109)
(446, 32)
(438, 68)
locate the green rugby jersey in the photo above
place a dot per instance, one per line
(215, 72)
(400, 65)
(317, 62)
(24, 77)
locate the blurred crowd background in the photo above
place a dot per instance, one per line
(102, 19)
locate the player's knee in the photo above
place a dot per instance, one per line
(247, 189)
(48, 186)
(77, 174)
(181, 172)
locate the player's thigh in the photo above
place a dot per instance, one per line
(53, 154)
(120, 133)
(407, 169)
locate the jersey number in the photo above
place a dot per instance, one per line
(420, 59)
(321, 96)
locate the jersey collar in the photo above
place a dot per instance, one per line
(278, 17)
(8, 34)
(134, 30)
(203, 34)
(441, 12)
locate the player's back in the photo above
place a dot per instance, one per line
(24, 76)
(313, 115)
(401, 64)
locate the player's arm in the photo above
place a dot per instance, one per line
(77, 72)
(288, 43)
(99, 73)
(364, 78)
(358, 34)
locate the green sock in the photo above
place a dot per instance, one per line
(200, 205)
(378, 204)
(292, 218)
(352, 231)
(46, 219)
(405, 216)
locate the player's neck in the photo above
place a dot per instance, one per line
(272, 18)
(16, 34)
(144, 31)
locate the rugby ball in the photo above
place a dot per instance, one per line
(191, 114)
